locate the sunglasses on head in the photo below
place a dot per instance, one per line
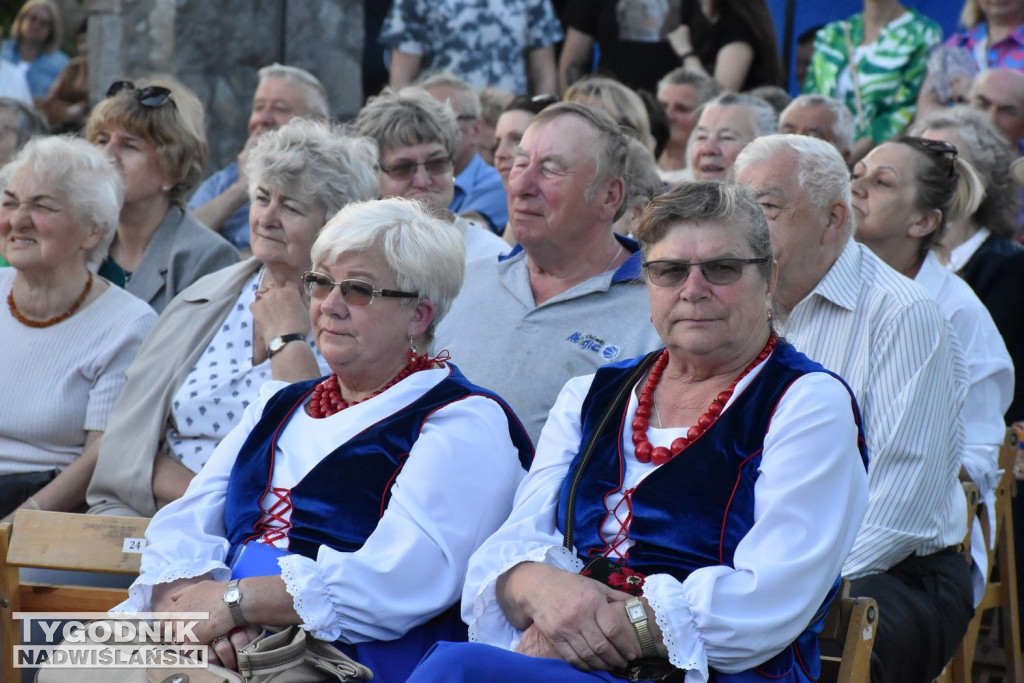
(940, 148)
(150, 97)
(717, 271)
(353, 292)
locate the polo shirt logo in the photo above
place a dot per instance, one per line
(589, 342)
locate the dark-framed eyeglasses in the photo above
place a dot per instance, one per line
(717, 271)
(150, 97)
(353, 292)
(407, 169)
(939, 148)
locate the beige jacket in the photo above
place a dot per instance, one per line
(123, 481)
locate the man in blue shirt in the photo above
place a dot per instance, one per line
(479, 193)
(221, 202)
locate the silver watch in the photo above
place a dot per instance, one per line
(233, 599)
(638, 617)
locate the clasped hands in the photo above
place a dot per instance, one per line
(571, 617)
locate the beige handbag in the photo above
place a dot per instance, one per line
(287, 656)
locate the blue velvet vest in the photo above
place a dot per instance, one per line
(692, 511)
(339, 502)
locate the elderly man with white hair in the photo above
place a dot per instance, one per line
(842, 306)
(726, 125)
(479, 193)
(221, 202)
(822, 117)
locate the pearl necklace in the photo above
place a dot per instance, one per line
(643, 450)
(327, 399)
(54, 320)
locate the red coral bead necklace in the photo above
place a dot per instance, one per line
(327, 399)
(643, 450)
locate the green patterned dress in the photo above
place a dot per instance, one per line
(889, 71)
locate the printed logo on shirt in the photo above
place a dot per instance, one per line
(589, 342)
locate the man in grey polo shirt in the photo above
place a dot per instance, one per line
(568, 299)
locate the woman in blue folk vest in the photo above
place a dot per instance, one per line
(645, 548)
(349, 504)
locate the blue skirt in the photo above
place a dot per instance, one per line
(475, 662)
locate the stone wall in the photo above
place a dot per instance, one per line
(216, 47)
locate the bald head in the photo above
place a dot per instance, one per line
(1000, 94)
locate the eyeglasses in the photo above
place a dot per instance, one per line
(939, 148)
(717, 271)
(150, 97)
(354, 292)
(406, 170)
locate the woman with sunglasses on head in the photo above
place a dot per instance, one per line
(693, 507)
(349, 504)
(219, 340)
(67, 335)
(904, 194)
(981, 247)
(417, 137)
(154, 132)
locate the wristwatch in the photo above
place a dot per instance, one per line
(233, 599)
(277, 343)
(638, 617)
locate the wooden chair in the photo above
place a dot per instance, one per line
(1001, 593)
(67, 541)
(847, 638)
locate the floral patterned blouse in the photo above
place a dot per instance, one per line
(484, 42)
(889, 71)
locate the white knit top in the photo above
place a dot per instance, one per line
(61, 381)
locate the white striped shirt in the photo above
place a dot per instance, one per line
(886, 337)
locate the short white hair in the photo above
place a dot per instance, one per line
(425, 254)
(317, 161)
(314, 93)
(766, 121)
(466, 100)
(843, 126)
(83, 176)
(820, 169)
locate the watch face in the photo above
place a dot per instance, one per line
(636, 611)
(231, 595)
(275, 344)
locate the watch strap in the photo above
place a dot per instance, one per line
(642, 628)
(235, 606)
(280, 342)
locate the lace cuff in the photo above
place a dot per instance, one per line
(489, 624)
(679, 630)
(140, 593)
(310, 597)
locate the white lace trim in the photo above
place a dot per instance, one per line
(141, 591)
(301, 577)
(487, 597)
(695, 662)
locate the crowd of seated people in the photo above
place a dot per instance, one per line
(634, 391)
